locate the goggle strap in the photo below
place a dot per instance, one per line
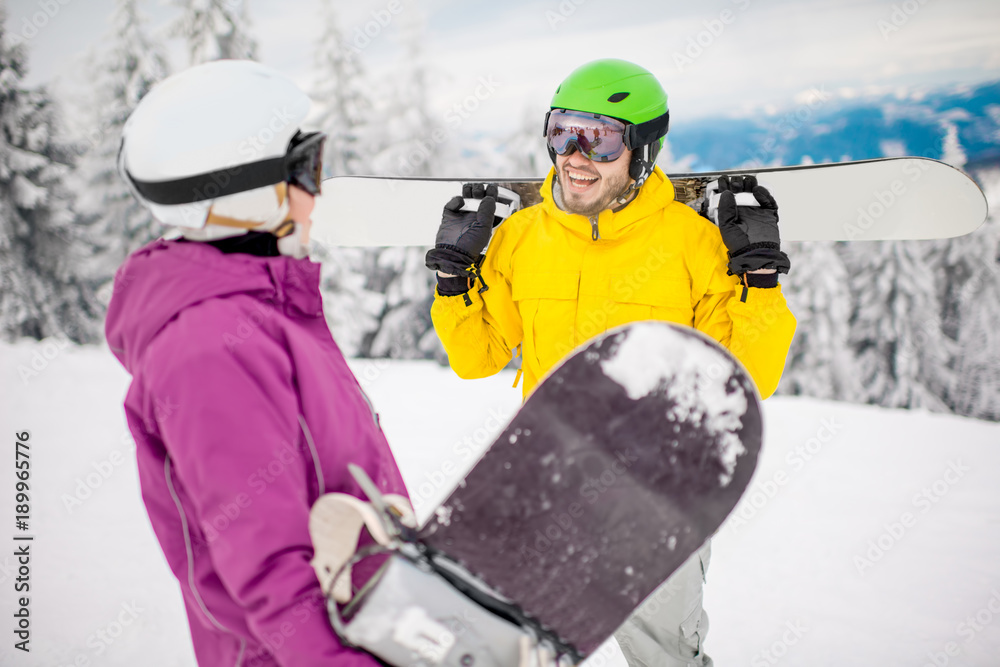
(212, 184)
(648, 132)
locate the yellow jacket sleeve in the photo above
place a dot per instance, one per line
(479, 330)
(758, 331)
(753, 323)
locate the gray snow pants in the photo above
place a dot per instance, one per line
(668, 630)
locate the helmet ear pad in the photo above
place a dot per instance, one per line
(637, 165)
(643, 159)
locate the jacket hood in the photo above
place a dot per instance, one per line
(163, 278)
(654, 194)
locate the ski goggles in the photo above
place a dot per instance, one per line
(301, 165)
(598, 138)
(304, 161)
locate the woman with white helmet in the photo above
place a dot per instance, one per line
(242, 407)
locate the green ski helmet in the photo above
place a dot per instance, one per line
(627, 92)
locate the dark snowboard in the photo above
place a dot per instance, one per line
(619, 466)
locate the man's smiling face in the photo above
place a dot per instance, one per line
(589, 187)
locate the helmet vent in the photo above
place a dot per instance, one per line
(617, 97)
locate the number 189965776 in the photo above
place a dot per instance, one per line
(22, 463)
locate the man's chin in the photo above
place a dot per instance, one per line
(580, 204)
(577, 210)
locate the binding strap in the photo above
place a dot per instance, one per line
(335, 524)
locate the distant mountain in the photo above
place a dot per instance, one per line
(838, 129)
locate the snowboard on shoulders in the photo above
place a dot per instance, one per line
(624, 460)
(907, 198)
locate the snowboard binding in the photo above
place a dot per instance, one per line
(420, 607)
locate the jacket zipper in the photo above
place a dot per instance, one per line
(595, 234)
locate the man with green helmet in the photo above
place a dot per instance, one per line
(609, 245)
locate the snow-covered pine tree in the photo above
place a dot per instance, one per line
(41, 248)
(412, 135)
(902, 327)
(954, 259)
(350, 306)
(345, 115)
(116, 222)
(405, 328)
(973, 305)
(341, 95)
(820, 362)
(214, 29)
(896, 330)
(402, 326)
(968, 294)
(414, 140)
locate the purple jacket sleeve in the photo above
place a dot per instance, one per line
(233, 436)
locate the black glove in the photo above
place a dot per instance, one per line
(749, 232)
(463, 235)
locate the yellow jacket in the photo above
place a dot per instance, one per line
(552, 286)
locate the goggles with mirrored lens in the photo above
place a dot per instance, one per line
(598, 138)
(304, 161)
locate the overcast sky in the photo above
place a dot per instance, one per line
(713, 56)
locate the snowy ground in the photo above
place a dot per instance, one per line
(870, 537)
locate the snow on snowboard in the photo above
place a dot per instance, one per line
(625, 459)
(869, 200)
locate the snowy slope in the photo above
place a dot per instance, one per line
(874, 532)
(787, 584)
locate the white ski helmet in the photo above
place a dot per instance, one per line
(213, 138)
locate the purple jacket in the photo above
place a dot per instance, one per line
(226, 353)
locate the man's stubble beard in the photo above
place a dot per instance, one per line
(611, 190)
